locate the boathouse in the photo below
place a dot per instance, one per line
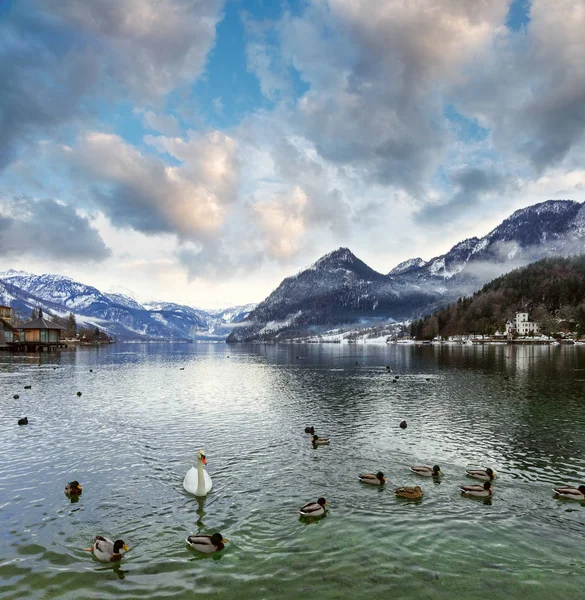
(6, 333)
(40, 334)
(6, 313)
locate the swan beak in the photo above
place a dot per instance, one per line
(125, 547)
(224, 541)
(204, 460)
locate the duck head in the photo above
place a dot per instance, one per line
(487, 486)
(120, 545)
(201, 456)
(581, 488)
(381, 477)
(322, 502)
(437, 470)
(217, 539)
(490, 472)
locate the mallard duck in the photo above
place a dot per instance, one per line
(571, 492)
(79, 394)
(23, 421)
(197, 481)
(314, 509)
(480, 491)
(106, 550)
(28, 387)
(409, 492)
(427, 471)
(206, 543)
(310, 430)
(319, 441)
(403, 424)
(483, 474)
(73, 488)
(373, 478)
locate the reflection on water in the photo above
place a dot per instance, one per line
(134, 432)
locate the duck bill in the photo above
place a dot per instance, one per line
(224, 541)
(125, 547)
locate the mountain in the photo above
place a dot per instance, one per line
(338, 289)
(552, 290)
(117, 313)
(341, 289)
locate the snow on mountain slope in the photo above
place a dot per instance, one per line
(118, 313)
(339, 288)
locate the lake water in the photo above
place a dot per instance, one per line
(134, 432)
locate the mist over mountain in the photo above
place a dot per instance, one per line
(340, 289)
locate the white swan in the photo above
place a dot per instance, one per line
(197, 481)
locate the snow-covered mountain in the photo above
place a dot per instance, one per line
(340, 289)
(117, 312)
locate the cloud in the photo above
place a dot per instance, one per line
(470, 184)
(142, 192)
(530, 89)
(375, 75)
(49, 230)
(165, 124)
(61, 57)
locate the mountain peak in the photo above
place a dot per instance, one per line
(341, 255)
(408, 265)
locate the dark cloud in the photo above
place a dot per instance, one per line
(60, 58)
(49, 230)
(470, 185)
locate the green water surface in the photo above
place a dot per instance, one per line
(134, 432)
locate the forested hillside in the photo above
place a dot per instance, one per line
(552, 290)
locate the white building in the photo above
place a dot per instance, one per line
(521, 325)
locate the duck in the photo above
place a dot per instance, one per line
(483, 474)
(28, 387)
(409, 492)
(434, 471)
(79, 394)
(314, 509)
(403, 424)
(571, 493)
(319, 441)
(479, 491)
(310, 430)
(73, 488)
(373, 478)
(16, 396)
(106, 550)
(208, 544)
(197, 481)
(23, 421)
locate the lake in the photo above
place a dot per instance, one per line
(135, 430)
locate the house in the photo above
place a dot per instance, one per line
(521, 325)
(41, 332)
(6, 333)
(6, 313)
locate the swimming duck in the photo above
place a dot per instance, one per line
(427, 471)
(197, 481)
(483, 474)
(409, 492)
(310, 430)
(373, 478)
(319, 441)
(206, 543)
(23, 421)
(73, 488)
(28, 387)
(479, 491)
(79, 394)
(314, 509)
(403, 424)
(571, 492)
(16, 396)
(106, 550)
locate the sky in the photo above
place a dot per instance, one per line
(199, 151)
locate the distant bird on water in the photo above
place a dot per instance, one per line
(16, 396)
(207, 543)
(435, 471)
(310, 430)
(73, 488)
(23, 421)
(28, 387)
(571, 493)
(314, 509)
(373, 478)
(319, 441)
(483, 474)
(403, 424)
(411, 493)
(79, 393)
